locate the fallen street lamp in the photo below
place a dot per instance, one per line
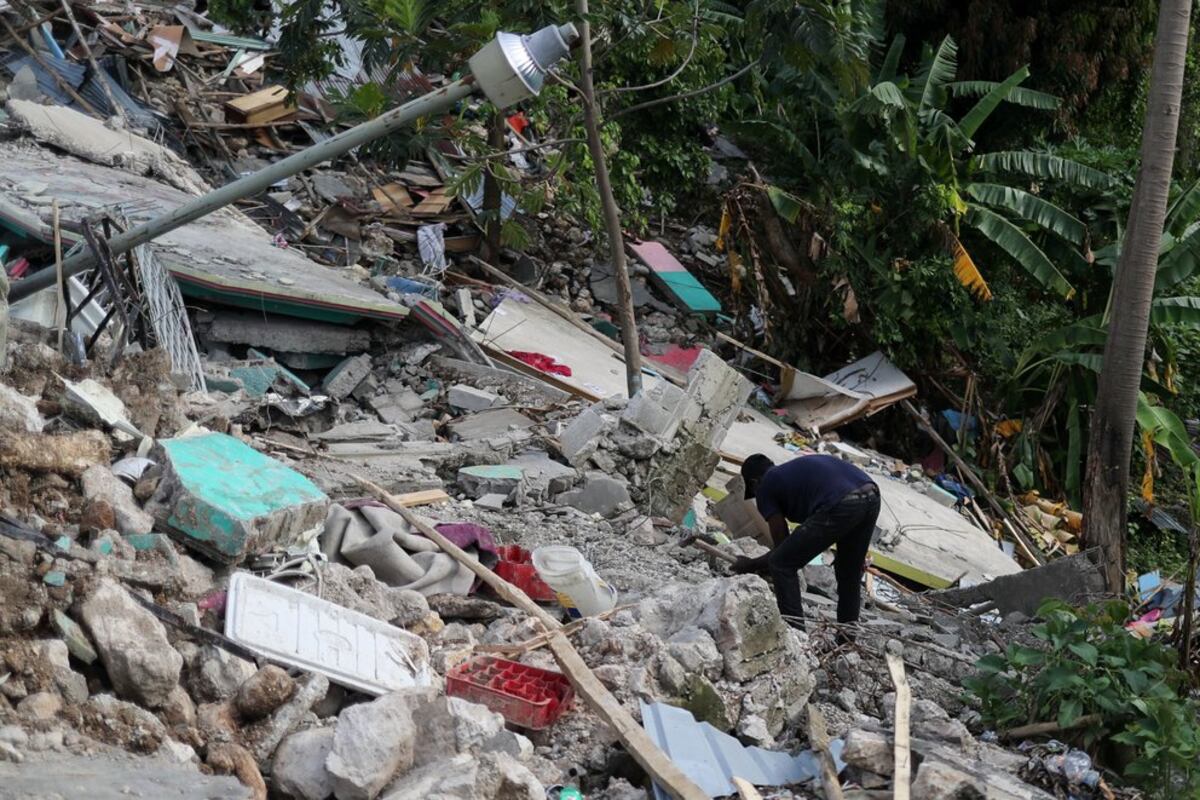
(509, 69)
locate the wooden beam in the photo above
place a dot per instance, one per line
(599, 699)
(1042, 728)
(903, 771)
(422, 498)
(972, 478)
(818, 739)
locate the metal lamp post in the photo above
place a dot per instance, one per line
(509, 69)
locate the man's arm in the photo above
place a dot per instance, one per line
(779, 529)
(779, 532)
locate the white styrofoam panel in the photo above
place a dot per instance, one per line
(349, 648)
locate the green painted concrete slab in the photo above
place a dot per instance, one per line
(229, 500)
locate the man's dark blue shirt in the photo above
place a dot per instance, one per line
(807, 485)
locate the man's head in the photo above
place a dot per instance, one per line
(753, 469)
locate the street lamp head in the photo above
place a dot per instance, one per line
(512, 68)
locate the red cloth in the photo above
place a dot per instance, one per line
(542, 362)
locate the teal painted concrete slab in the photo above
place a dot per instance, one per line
(229, 500)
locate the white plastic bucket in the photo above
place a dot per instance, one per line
(580, 590)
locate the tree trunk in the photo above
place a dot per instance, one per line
(612, 214)
(1111, 436)
(492, 194)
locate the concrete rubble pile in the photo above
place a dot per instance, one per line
(199, 595)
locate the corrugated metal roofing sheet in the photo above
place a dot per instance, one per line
(712, 758)
(87, 85)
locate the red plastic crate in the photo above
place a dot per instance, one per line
(516, 567)
(525, 696)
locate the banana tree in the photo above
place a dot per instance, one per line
(991, 193)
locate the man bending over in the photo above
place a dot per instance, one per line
(833, 502)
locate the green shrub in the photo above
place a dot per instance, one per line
(1089, 664)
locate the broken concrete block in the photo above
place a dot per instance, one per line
(373, 742)
(451, 725)
(263, 692)
(346, 376)
(483, 479)
(132, 643)
(493, 776)
(468, 398)
(1075, 579)
(226, 499)
(718, 392)
(299, 766)
(99, 483)
(580, 439)
(656, 410)
(600, 494)
(870, 751)
(489, 424)
(544, 475)
(286, 334)
(18, 412)
(492, 502)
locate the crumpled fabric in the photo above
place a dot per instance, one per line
(366, 532)
(541, 362)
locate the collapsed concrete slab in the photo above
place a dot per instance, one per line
(228, 500)
(283, 334)
(1075, 579)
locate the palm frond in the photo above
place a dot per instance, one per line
(1013, 241)
(1029, 98)
(1030, 207)
(990, 101)
(1045, 167)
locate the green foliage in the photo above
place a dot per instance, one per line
(1088, 664)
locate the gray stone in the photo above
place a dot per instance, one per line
(483, 479)
(40, 705)
(938, 781)
(346, 376)
(543, 474)
(492, 502)
(870, 751)
(215, 674)
(99, 483)
(299, 766)
(373, 742)
(696, 651)
(468, 398)
(286, 334)
(17, 412)
(145, 728)
(580, 439)
(264, 736)
(132, 644)
(452, 725)
(600, 494)
(491, 777)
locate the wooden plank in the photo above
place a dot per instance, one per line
(599, 699)
(423, 498)
(394, 199)
(435, 202)
(818, 739)
(903, 771)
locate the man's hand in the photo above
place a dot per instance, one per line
(745, 566)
